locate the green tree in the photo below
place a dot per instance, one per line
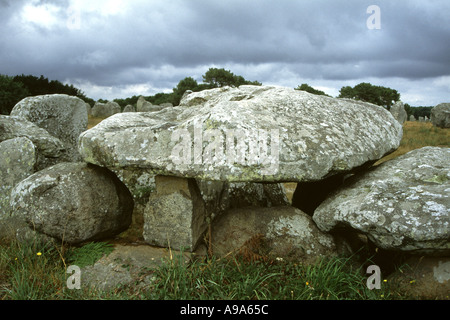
(161, 98)
(11, 93)
(187, 83)
(308, 88)
(421, 111)
(217, 78)
(378, 95)
(40, 86)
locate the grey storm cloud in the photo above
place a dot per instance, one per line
(157, 42)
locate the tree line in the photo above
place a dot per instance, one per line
(14, 89)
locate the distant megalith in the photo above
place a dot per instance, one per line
(440, 115)
(64, 117)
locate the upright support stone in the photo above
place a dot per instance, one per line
(175, 215)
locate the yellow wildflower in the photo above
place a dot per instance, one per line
(39, 254)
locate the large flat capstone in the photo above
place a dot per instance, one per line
(250, 133)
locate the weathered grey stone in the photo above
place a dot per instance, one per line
(175, 215)
(398, 112)
(129, 108)
(74, 202)
(276, 232)
(403, 204)
(301, 137)
(144, 106)
(88, 109)
(105, 110)
(166, 105)
(421, 119)
(141, 183)
(128, 266)
(64, 117)
(440, 115)
(140, 104)
(49, 148)
(17, 161)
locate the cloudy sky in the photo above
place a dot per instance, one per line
(120, 48)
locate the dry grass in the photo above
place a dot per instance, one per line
(417, 135)
(92, 122)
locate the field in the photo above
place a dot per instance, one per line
(34, 270)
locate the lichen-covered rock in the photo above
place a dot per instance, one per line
(17, 161)
(105, 110)
(74, 202)
(64, 117)
(144, 106)
(48, 148)
(440, 115)
(246, 134)
(276, 232)
(398, 112)
(403, 204)
(129, 108)
(175, 215)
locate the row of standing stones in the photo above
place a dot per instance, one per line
(188, 171)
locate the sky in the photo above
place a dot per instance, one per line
(120, 48)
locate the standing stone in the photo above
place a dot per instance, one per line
(440, 115)
(140, 103)
(175, 215)
(421, 119)
(105, 110)
(63, 116)
(398, 112)
(88, 109)
(402, 204)
(17, 162)
(73, 202)
(412, 118)
(143, 106)
(129, 108)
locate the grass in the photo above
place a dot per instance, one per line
(37, 271)
(417, 135)
(92, 121)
